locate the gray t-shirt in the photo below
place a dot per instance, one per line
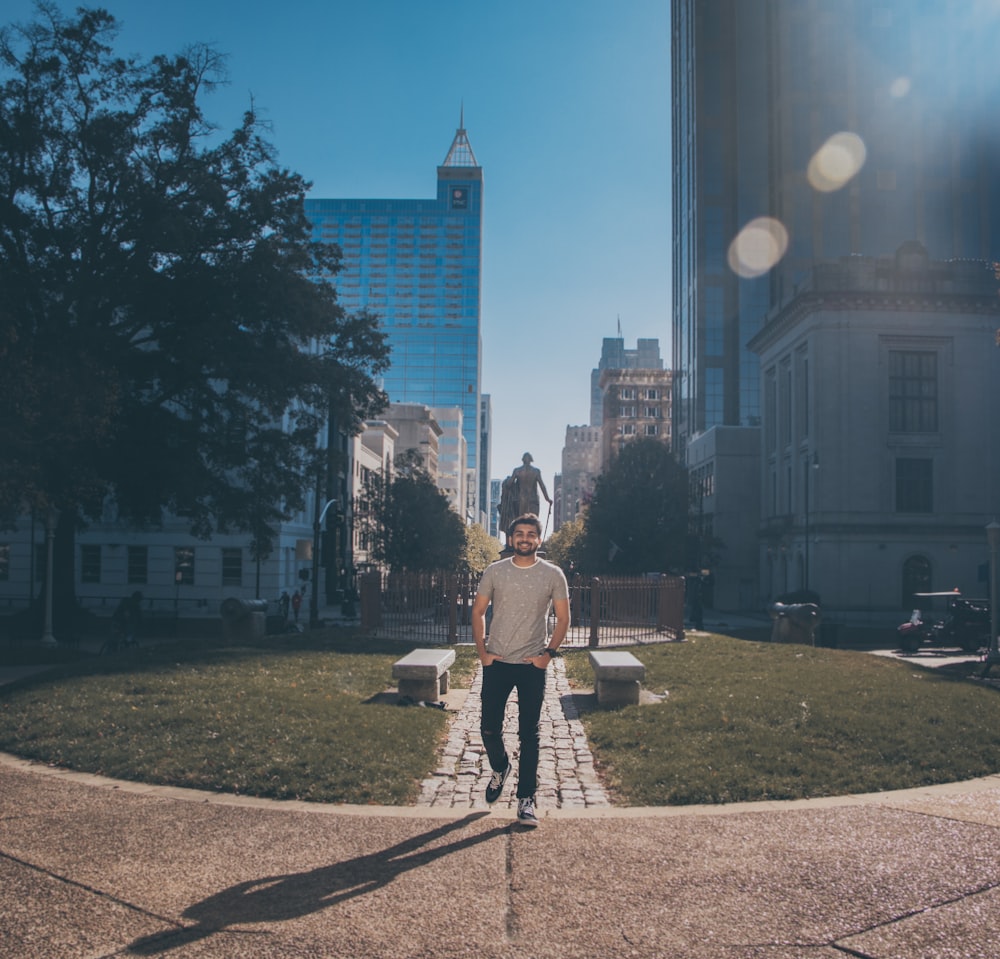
(521, 596)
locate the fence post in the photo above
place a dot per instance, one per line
(662, 603)
(451, 593)
(595, 612)
(371, 608)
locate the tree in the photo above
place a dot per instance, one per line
(169, 333)
(481, 549)
(564, 546)
(638, 519)
(410, 525)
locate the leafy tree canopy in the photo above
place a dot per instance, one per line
(410, 524)
(638, 519)
(564, 546)
(169, 333)
(481, 549)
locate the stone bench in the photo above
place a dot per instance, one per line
(423, 674)
(618, 676)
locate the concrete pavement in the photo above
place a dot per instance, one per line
(94, 868)
(97, 868)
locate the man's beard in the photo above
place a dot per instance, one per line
(525, 549)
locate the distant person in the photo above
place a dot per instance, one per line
(520, 588)
(284, 602)
(128, 618)
(296, 604)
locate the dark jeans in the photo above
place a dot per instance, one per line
(499, 680)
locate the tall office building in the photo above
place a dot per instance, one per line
(615, 356)
(851, 127)
(417, 264)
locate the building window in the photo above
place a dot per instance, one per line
(232, 567)
(625, 411)
(913, 391)
(914, 485)
(628, 429)
(627, 393)
(652, 429)
(652, 394)
(90, 564)
(770, 411)
(138, 564)
(652, 412)
(785, 402)
(4, 562)
(184, 565)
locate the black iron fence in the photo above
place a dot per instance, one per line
(436, 608)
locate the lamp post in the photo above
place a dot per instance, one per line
(814, 463)
(993, 538)
(48, 639)
(314, 591)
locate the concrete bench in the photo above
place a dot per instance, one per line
(423, 674)
(618, 676)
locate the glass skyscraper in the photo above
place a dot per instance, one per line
(853, 126)
(417, 264)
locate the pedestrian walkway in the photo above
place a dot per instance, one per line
(566, 774)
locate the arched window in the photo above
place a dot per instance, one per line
(916, 579)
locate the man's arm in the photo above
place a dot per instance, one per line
(541, 485)
(561, 609)
(479, 606)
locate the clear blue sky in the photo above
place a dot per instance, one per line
(567, 109)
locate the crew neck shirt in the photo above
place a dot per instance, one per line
(521, 596)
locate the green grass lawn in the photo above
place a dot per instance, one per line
(742, 721)
(752, 721)
(290, 723)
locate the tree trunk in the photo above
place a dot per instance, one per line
(65, 613)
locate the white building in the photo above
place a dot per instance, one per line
(879, 451)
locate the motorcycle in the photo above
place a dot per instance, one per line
(966, 625)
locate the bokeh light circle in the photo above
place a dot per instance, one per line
(836, 162)
(758, 247)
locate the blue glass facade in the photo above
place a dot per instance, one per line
(417, 264)
(757, 88)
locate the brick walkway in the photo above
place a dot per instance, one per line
(566, 774)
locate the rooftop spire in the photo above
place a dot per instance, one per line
(460, 153)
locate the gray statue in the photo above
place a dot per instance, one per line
(529, 482)
(508, 503)
(519, 493)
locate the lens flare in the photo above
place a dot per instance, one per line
(836, 162)
(758, 247)
(899, 88)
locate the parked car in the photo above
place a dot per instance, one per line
(966, 623)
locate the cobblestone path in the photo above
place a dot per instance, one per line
(566, 774)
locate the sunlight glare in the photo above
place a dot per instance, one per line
(899, 88)
(836, 162)
(758, 247)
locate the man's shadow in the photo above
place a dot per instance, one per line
(279, 898)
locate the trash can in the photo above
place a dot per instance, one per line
(794, 623)
(243, 620)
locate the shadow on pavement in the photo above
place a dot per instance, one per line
(280, 898)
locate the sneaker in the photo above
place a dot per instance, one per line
(526, 812)
(495, 786)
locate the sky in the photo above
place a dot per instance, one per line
(566, 106)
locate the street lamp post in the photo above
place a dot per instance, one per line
(314, 592)
(814, 463)
(48, 639)
(993, 538)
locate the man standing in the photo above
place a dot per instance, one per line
(521, 589)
